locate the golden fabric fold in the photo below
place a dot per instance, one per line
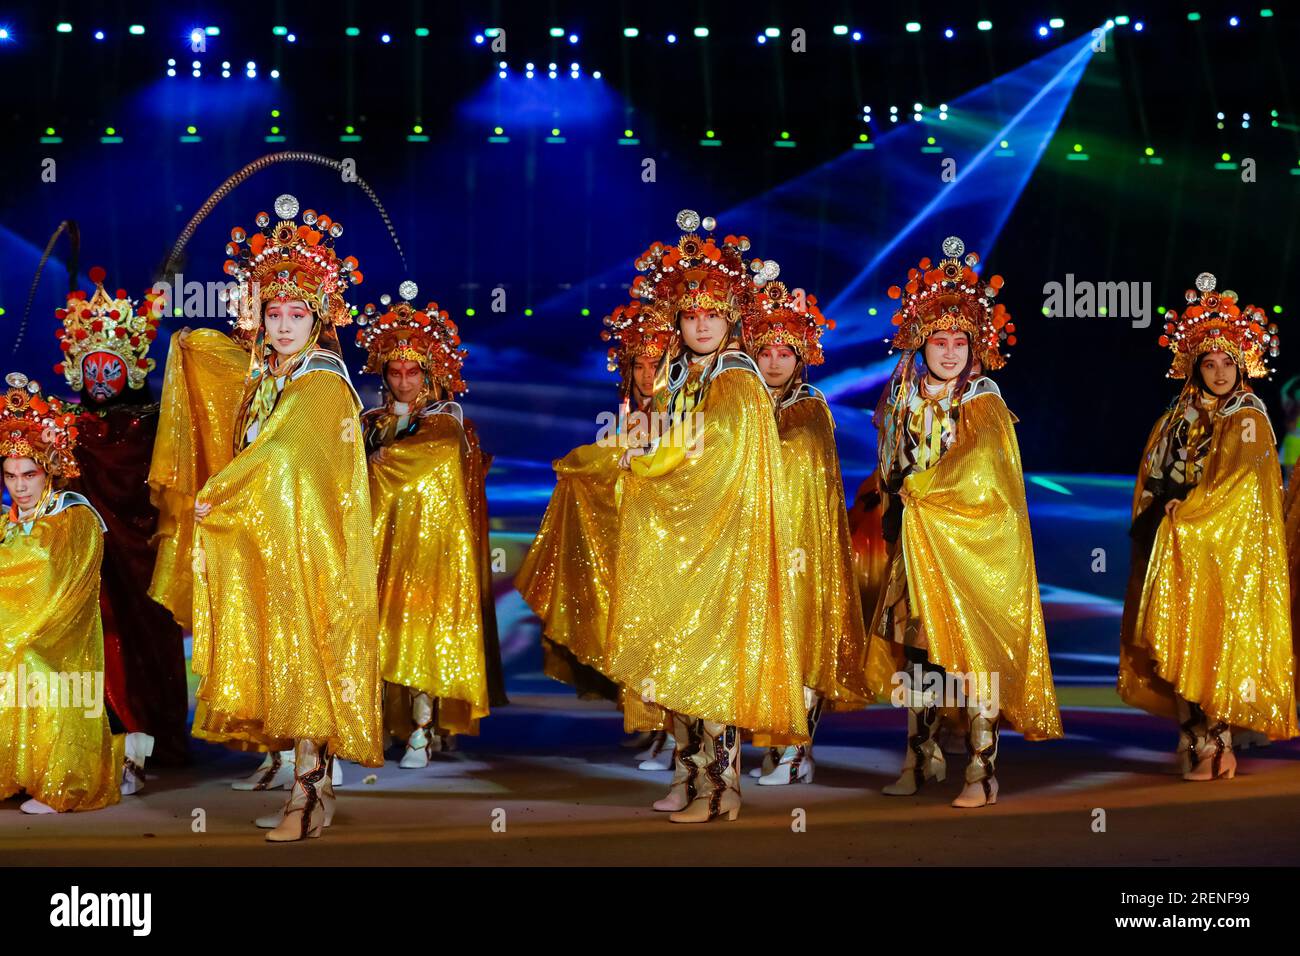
(285, 619)
(427, 553)
(829, 605)
(870, 551)
(700, 614)
(480, 463)
(969, 560)
(1214, 620)
(202, 387)
(566, 575)
(59, 748)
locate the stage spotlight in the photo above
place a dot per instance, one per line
(1138, 26)
(672, 38)
(1233, 21)
(949, 33)
(573, 38)
(857, 36)
(595, 75)
(498, 130)
(631, 31)
(196, 37)
(501, 65)
(279, 31)
(913, 27)
(478, 38)
(63, 27)
(762, 39)
(352, 31)
(99, 35)
(275, 74)
(574, 75)
(135, 29)
(701, 31)
(1266, 12)
(840, 30)
(421, 31)
(212, 31)
(502, 74)
(225, 74)
(1056, 23)
(1193, 17)
(250, 65)
(549, 66)
(529, 66)
(196, 74)
(574, 67)
(772, 32)
(385, 38)
(984, 25)
(171, 71)
(557, 31)
(917, 107)
(1042, 31)
(1122, 21)
(225, 64)
(171, 62)
(552, 74)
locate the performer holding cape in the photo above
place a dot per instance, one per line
(1207, 619)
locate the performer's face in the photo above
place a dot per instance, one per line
(288, 325)
(777, 363)
(703, 330)
(405, 379)
(1219, 372)
(946, 354)
(643, 377)
(25, 480)
(103, 375)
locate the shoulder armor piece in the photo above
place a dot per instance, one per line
(64, 500)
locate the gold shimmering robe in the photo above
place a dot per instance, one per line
(566, 575)
(969, 561)
(285, 620)
(427, 552)
(1213, 622)
(701, 616)
(59, 749)
(202, 388)
(828, 602)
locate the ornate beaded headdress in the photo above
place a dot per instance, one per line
(777, 316)
(286, 260)
(635, 330)
(952, 296)
(696, 272)
(41, 428)
(106, 323)
(1213, 322)
(428, 336)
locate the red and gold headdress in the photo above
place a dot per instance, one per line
(106, 323)
(777, 316)
(285, 260)
(951, 296)
(696, 272)
(429, 337)
(40, 428)
(636, 329)
(1212, 322)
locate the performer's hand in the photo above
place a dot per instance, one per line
(377, 456)
(201, 510)
(184, 334)
(626, 461)
(1169, 507)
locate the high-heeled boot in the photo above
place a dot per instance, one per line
(720, 785)
(1191, 734)
(420, 745)
(770, 760)
(982, 741)
(303, 815)
(275, 773)
(924, 760)
(139, 746)
(795, 764)
(1214, 757)
(687, 762)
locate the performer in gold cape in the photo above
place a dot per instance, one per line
(701, 620)
(431, 627)
(958, 622)
(565, 577)
(782, 333)
(1207, 625)
(285, 620)
(55, 741)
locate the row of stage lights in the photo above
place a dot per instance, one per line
(198, 34)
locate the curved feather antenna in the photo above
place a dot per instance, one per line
(74, 241)
(257, 165)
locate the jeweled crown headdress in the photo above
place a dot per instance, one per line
(636, 329)
(41, 428)
(288, 260)
(696, 272)
(106, 323)
(1213, 322)
(952, 296)
(389, 332)
(778, 316)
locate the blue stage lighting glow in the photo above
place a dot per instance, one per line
(478, 38)
(672, 38)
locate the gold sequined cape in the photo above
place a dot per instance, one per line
(202, 388)
(969, 560)
(1213, 623)
(285, 620)
(829, 606)
(50, 625)
(427, 552)
(701, 617)
(565, 577)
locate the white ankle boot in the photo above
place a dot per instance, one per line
(35, 806)
(659, 755)
(1214, 756)
(139, 747)
(275, 773)
(770, 760)
(794, 766)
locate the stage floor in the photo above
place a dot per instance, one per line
(550, 768)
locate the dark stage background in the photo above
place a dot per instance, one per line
(1114, 165)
